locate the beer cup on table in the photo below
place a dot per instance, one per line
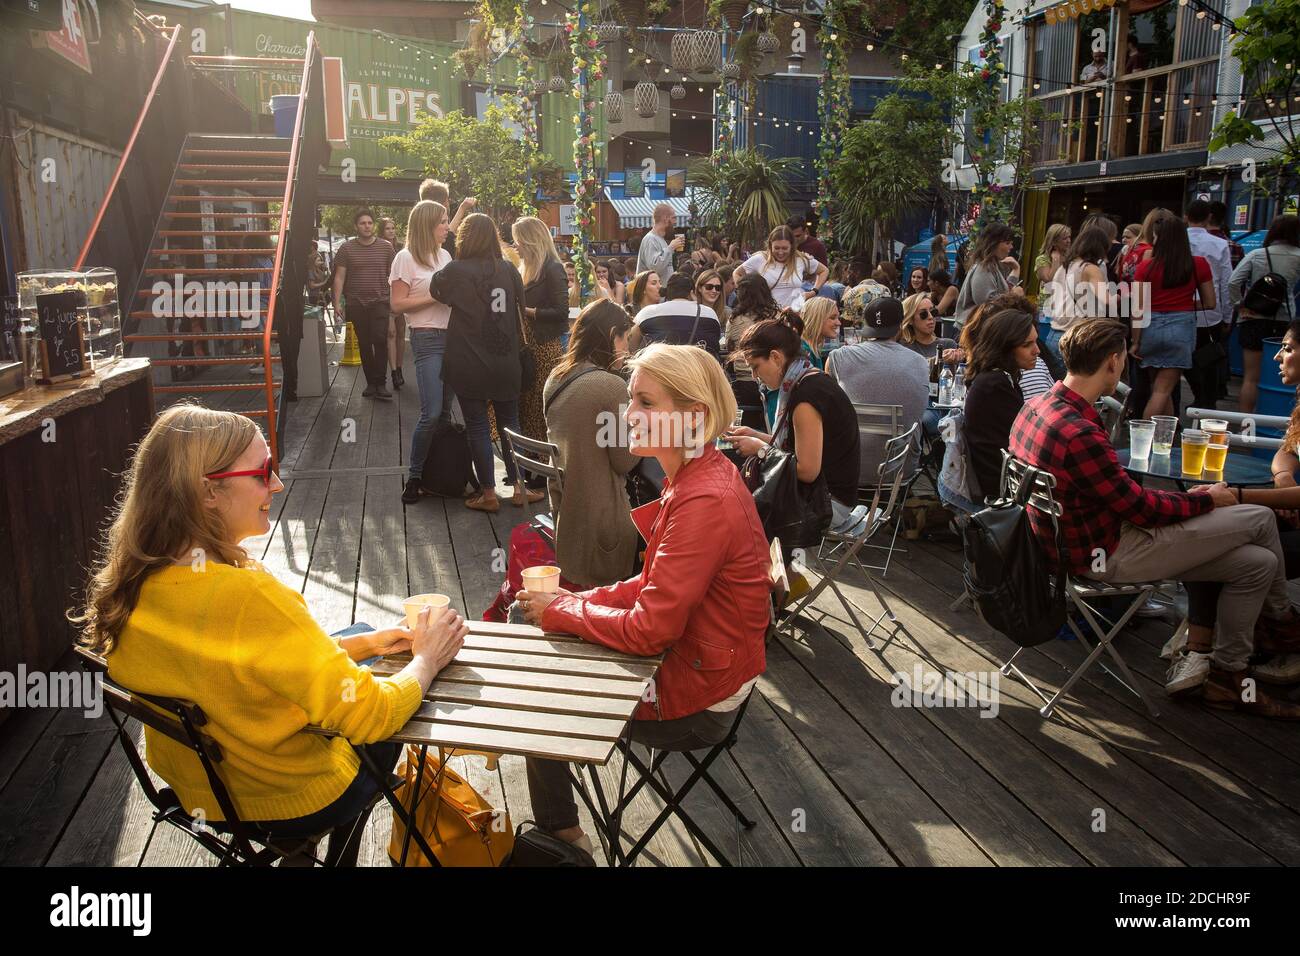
(1141, 433)
(1216, 451)
(1162, 443)
(1195, 443)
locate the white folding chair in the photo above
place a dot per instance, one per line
(533, 457)
(887, 420)
(1080, 593)
(885, 503)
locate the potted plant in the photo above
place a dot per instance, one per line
(733, 11)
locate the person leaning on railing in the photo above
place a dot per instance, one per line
(180, 609)
(702, 596)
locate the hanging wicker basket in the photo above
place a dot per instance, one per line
(678, 92)
(558, 84)
(646, 99)
(608, 32)
(734, 12)
(768, 43)
(708, 51)
(614, 106)
(730, 71)
(633, 12)
(683, 51)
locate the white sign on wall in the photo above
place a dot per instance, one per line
(567, 225)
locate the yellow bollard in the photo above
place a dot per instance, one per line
(351, 352)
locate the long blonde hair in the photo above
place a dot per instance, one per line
(815, 313)
(797, 258)
(426, 215)
(161, 512)
(535, 245)
(691, 375)
(1051, 237)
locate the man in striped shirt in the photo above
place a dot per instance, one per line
(1112, 529)
(361, 269)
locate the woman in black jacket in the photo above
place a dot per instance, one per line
(482, 362)
(1006, 347)
(546, 314)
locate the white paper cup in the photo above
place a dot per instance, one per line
(544, 579)
(417, 602)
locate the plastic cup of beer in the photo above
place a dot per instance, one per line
(1216, 453)
(1141, 433)
(418, 602)
(1162, 443)
(1195, 443)
(544, 579)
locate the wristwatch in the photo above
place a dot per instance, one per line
(763, 449)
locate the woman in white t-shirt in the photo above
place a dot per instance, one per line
(785, 268)
(426, 230)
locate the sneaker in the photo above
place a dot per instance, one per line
(1152, 608)
(1278, 669)
(411, 493)
(1187, 673)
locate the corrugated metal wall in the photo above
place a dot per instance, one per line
(54, 217)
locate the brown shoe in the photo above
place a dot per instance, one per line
(533, 497)
(1227, 690)
(478, 503)
(1277, 637)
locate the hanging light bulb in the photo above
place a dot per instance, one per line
(870, 47)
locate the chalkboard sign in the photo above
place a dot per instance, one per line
(63, 348)
(10, 321)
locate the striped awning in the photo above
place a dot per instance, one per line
(639, 213)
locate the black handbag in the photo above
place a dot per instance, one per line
(534, 847)
(1266, 294)
(796, 512)
(527, 359)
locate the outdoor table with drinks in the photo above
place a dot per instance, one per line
(1202, 457)
(516, 689)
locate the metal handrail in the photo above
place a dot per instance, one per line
(126, 153)
(313, 51)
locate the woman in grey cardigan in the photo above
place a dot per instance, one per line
(1280, 253)
(584, 399)
(986, 278)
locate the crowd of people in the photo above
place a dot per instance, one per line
(752, 354)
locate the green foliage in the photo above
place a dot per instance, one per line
(1268, 46)
(887, 163)
(474, 157)
(338, 219)
(743, 193)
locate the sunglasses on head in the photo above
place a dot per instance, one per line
(265, 473)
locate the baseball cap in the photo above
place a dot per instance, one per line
(882, 317)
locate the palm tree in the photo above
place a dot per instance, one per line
(743, 193)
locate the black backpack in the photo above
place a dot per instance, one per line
(1007, 575)
(1268, 293)
(448, 468)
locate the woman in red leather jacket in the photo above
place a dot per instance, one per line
(702, 597)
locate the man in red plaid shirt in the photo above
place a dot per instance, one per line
(1115, 531)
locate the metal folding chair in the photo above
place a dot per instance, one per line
(231, 840)
(887, 420)
(1081, 593)
(886, 501)
(533, 457)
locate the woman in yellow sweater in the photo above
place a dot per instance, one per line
(179, 609)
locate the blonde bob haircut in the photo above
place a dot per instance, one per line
(690, 375)
(535, 245)
(161, 512)
(425, 217)
(815, 313)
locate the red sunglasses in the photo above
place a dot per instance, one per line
(265, 473)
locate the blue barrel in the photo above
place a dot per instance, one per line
(1274, 397)
(1234, 351)
(284, 109)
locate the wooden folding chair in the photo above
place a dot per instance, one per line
(533, 457)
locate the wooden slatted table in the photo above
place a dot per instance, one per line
(515, 689)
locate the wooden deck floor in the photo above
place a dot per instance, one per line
(833, 772)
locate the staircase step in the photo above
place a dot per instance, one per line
(228, 387)
(218, 232)
(191, 360)
(196, 336)
(213, 252)
(242, 141)
(238, 153)
(222, 215)
(236, 167)
(237, 183)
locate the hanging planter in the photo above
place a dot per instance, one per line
(609, 32)
(768, 43)
(633, 12)
(614, 106)
(678, 92)
(646, 99)
(708, 51)
(683, 51)
(734, 12)
(731, 71)
(558, 84)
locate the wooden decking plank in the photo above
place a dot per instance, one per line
(801, 799)
(354, 429)
(318, 450)
(332, 575)
(288, 555)
(381, 576)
